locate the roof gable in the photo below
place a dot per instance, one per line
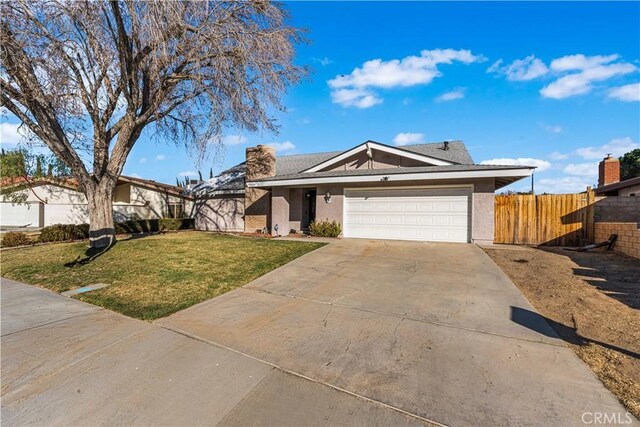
(369, 147)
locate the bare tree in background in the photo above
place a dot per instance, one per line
(87, 77)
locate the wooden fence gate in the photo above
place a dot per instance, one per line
(547, 219)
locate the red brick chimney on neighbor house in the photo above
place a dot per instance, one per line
(260, 163)
(608, 171)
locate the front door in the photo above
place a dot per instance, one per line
(312, 206)
(308, 208)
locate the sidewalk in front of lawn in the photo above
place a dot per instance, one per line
(65, 362)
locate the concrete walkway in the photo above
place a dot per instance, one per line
(65, 362)
(435, 330)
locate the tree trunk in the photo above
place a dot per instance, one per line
(102, 231)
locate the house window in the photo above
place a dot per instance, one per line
(175, 210)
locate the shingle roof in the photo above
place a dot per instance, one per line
(296, 163)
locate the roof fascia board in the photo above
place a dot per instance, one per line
(381, 147)
(491, 173)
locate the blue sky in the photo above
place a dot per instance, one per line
(550, 84)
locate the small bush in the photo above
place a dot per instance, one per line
(325, 228)
(153, 225)
(64, 232)
(135, 226)
(15, 238)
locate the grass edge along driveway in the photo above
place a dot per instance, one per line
(153, 276)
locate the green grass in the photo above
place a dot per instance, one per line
(154, 276)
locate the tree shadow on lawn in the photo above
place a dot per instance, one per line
(536, 322)
(91, 254)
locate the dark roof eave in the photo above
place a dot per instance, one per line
(618, 185)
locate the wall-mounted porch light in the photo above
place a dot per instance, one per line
(327, 197)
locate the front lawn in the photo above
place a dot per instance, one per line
(153, 276)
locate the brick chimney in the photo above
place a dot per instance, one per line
(260, 163)
(608, 171)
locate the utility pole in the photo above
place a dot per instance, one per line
(532, 183)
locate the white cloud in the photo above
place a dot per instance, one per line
(9, 134)
(582, 169)
(283, 146)
(580, 62)
(234, 140)
(553, 129)
(616, 147)
(143, 160)
(323, 61)
(134, 175)
(407, 138)
(528, 68)
(457, 93)
(304, 121)
(558, 156)
(629, 93)
(355, 98)
(565, 184)
(161, 157)
(188, 173)
(354, 89)
(587, 70)
(540, 164)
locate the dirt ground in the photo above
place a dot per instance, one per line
(592, 300)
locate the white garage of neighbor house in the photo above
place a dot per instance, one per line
(425, 192)
(49, 202)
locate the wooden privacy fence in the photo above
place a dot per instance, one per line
(546, 219)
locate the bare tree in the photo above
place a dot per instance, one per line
(87, 77)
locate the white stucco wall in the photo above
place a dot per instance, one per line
(635, 190)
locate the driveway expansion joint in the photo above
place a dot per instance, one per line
(299, 375)
(53, 322)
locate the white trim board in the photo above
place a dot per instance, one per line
(376, 146)
(491, 173)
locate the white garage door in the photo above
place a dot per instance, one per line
(434, 214)
(24, 214)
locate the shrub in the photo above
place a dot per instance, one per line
(15, 238)
(64, 232)
(153, 225)
(134, 226)
(325, 228)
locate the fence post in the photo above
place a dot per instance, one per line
(589, 225)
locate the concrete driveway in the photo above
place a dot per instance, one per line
(434, 330)
(65, 362)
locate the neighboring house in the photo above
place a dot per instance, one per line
(430, 192)
(49, 201)
(609, 183)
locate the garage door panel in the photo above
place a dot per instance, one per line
(408, 214)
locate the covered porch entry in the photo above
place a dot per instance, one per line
(296, 204)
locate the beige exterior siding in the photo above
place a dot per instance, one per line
(633, 190)
(380, 160)
(63, 205)
(220, 213)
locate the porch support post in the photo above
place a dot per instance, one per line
(280, 211)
